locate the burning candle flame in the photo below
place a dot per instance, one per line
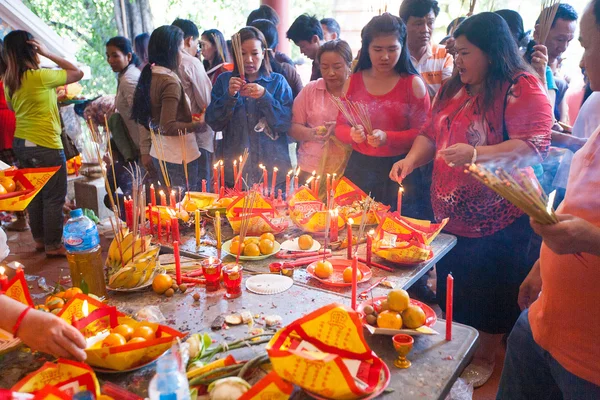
(314, 173)
(261, 166)
(152, 185)
(2, 269)
(372, 232)
(275, 169)
(298, 171)
(84, 309)
(309, 180)
(401, 189)
(234, 162)
(291, 171)
(161, 192)
(215, 165)
(211, 260)
(221, 162)
(350, 221)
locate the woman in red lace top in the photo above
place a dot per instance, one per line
(389, 85)
(494, 111)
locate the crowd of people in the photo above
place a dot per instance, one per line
(490, 94)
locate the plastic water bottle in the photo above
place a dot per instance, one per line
(169, 383)
(82, 243)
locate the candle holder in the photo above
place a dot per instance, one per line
(403, 344)
(211, 268)
(287, 269)
(275, 268)
(232, 278)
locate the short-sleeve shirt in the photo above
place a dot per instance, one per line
(36, 108)
(435, 67)
(473, 209)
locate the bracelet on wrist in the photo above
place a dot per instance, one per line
(15, 328)
(474, 158)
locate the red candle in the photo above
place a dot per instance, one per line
(296, 179)
(163, 199)
(333, 230)
(287, 183)
(168, 231)
(318, 185)
(333, 183)
(354, 280)
(265, 180)
(222, 192)
(370, 246)
(158, 226)
(274, 180)
(173, 201)
(216, 177)
(399, 207)
(349, 237)
(203, 185)
(222, 173)
(328, 186)
(235, 171)
(3, 280)
(449, 297)
(128, 212)
(152, 195)
(177, 262)
(175, 228)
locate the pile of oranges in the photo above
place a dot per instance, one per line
(164, 284)
(254, 246)
(127, 334)
(57, 301)
(7, 185)
(395, 312)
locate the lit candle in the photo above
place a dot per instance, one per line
(3, 280)
(449, 297)
(354, 280)
(370, 246)
(310, 184)
(152, 195)
(328, 186)
(150, 218)
(333, 182)
(287, 183)
(163, 198)
(296, 179)
(173, 201)
(349, 237)
(265, 182)
(128, 203)
(218, 232)
(203, 185)
(400, 193)
(158, 226)
(317, 185)
(274, 180)
(333, 230)
(314, 183)
(238, 177)
(222, 173)
(177, 262)
(222, 192)
(175, 228)
(168, 231)
(235, 172)
(216, 176)
(197, 225)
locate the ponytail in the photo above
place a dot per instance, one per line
(141, 111)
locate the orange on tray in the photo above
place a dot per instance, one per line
(337, 277)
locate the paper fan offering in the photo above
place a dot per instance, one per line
(269, 284)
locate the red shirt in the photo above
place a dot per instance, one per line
(473, 209)
(7, 122)
(399, 113)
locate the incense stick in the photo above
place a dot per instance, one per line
(161, 157)
(243, 159)
(355, 112)
(236, 44)
(246, 216)
(363, 222)
(549, 9)
(184, 161)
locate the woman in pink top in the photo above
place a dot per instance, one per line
(386, 81)
(314, 113)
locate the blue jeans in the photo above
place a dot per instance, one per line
(177, 175)
(530, 372)
(46, 209)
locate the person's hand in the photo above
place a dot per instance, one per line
(539, 60)
(571, 235)
(451, 46)
(378, 138)
(457, 155)
(253, 90)
(531, 287)
(401, 170)
(48, 333)
(39, 47)
(235, 85)
(358, 134)
(148, 164)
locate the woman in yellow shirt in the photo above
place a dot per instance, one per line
(31, 92)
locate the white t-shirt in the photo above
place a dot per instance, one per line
(588, 120)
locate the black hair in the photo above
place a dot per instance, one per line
(490, 33)
(454, 24)
(336, 46)
(124, 46)
(140, 46)
(188, 27)
(263, 12)
(214, 36)
(19, 57)
(515, 23)
(332, 26)
(418, 8)
(597, 11)
(251, 33)
(382, 25)
(163, 50)
(304, 28)
(269, 31)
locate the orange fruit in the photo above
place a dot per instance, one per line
(53, 302)
(161, 283)
(2, 190)
(235, 248)
(235, 239)
(267, 235)
(60, 294)
(252, 250)
(249, 240)
(136, 340)
(42, 307)
(266, 246)
(323, 269)
(348, 275)
(413, 317)
(124, 330)
(389, 320)
(144, 332)
(71, 292)
(8, 184)
(114, 339)
(305, 242)
(398, 300)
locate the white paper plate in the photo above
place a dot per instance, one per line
(292, 245)
(268, 283)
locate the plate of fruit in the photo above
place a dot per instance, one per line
(254, 247)
(301, 243)
(337, 272)
(397, 313)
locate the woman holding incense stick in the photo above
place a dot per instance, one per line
(252, 106)
(396, 114)
(160, 105)
(494, 111)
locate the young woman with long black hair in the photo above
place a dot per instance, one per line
(214, 60)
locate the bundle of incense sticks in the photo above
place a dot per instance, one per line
(471, 7)
(138, 196)
(549, 9)
(236, 45)
(363, 222)
(160, 152)
(355, 112)
(246, 216)
(520, 190)
(243, 159)
(184, 161)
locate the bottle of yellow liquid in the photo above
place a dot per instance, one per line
(84, 254)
